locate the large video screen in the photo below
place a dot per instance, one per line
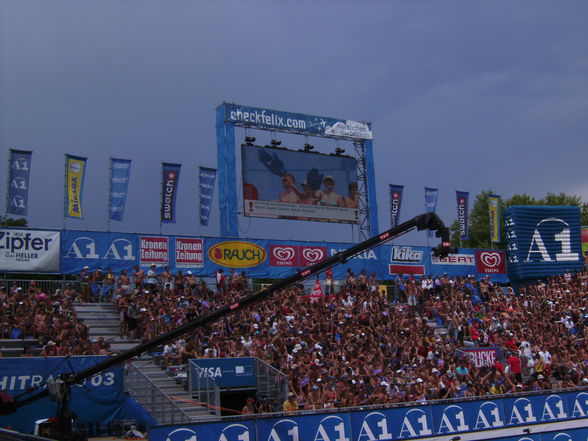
(285, 184)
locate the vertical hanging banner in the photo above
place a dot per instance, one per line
(431, 203)
(463, 198)
(494, 211)
(395, 203)
(74, 178)
(18, 188)
(120, 172)
(206, 178)
(171, 176)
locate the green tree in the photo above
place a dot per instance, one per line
(479, 224)
(11, 222)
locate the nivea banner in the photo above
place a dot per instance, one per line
(562, 416)
(96, 400)
(431, 204)
(296, 122)
(462, 214)
(395, 203)
(542, 241)
(120, 172)
(18, 187)
(171, 177)
(206, 177)
(75, 170)
(29, 250)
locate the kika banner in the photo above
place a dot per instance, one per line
(431, 203)
(120, 171)
(171, 176)
(395, 203)
(206, 178)
(494, 208)
(462, 214)
(75, 169)
(18, 189)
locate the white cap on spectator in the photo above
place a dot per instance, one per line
(419, 380)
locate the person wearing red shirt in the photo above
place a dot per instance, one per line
(514, 363)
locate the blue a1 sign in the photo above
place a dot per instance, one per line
(542, 241)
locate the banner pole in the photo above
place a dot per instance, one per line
(161, 201)
(9, 171)
(64, 191)
(109, 196)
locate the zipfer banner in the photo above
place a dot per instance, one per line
(29, 250)
(171, 177)
(75, 170)
(18, 187)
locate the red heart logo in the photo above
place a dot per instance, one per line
(283, 253)
(491, 259)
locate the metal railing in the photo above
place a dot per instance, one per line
(153, 399)
(272, 385)
(203, 388)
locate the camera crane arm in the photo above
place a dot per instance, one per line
(427, 221)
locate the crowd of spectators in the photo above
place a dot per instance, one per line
(50, 319)
(357, 345)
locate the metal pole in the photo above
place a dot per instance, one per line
(7, 186)
(65, 192)
(161, 201)
(109, 196)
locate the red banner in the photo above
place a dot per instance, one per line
(189, 253)
(491, 262)
(311, 255)
(283, 255)
(154, 250)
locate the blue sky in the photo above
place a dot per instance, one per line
(463, 95)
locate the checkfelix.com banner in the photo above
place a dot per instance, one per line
(207, 177)
(18, 187)
(296, 122)
(120, 171)
(74, 178)
(171, 177)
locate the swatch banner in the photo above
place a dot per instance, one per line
(120, 172)
(96, 400)
(18, 187)
(207, 177)
(562, 417)
(395, 203)
(462, 214)
(263, 258)
(171, 176)
(494, 212)
(75, 172)
(431, 204)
